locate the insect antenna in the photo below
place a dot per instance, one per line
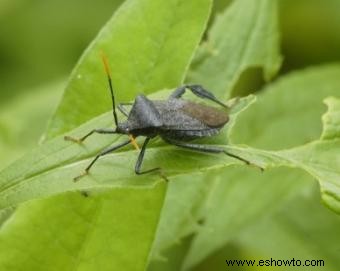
(108, 73)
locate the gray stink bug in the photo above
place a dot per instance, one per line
(175, 120)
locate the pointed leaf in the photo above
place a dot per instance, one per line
(268, 124)
(149, 45)
(244, 36)
(50, 168)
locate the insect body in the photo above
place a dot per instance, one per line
(175, 120)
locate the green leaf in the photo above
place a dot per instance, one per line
(76, 232)
(140, 38)
(318, 158)
(182, 201)
(321, 160)
(50, 168)
(184, 198)
(302, 235)
(244, 36)
(287, 112)
(326, 165)
(21, 125)
(238, 199)
(331, 120)
(234, 44)
(138, 41)
(62, 29)
(46, 171)
(275, 112)
(268, 124)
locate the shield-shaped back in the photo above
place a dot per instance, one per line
(144, 114)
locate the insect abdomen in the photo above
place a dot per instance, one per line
(186, 135)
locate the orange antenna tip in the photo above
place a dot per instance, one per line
(106, 64)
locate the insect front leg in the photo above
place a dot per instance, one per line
(199, 91)
(102, 153)
(99, 131)
(140, 160)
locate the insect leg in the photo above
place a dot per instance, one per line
(103, 152)
(199, 91)
(99, 131)
(207, 148)
(140, 159)
(122, 109)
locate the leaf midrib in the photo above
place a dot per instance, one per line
(22, 180)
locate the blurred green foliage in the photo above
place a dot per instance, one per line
(274, 214)
(40, 41)
(309, 32)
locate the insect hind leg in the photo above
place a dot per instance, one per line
(199, 91)
(207, 149)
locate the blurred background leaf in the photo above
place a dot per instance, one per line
(288, 111)
(137, 41)
(40, 42)
(84, 250)
(237, 199)
(21, 126)
(309, 32)
(244, 36)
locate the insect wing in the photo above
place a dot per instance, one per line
(210, 116)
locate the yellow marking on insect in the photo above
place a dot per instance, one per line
(133, 142)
